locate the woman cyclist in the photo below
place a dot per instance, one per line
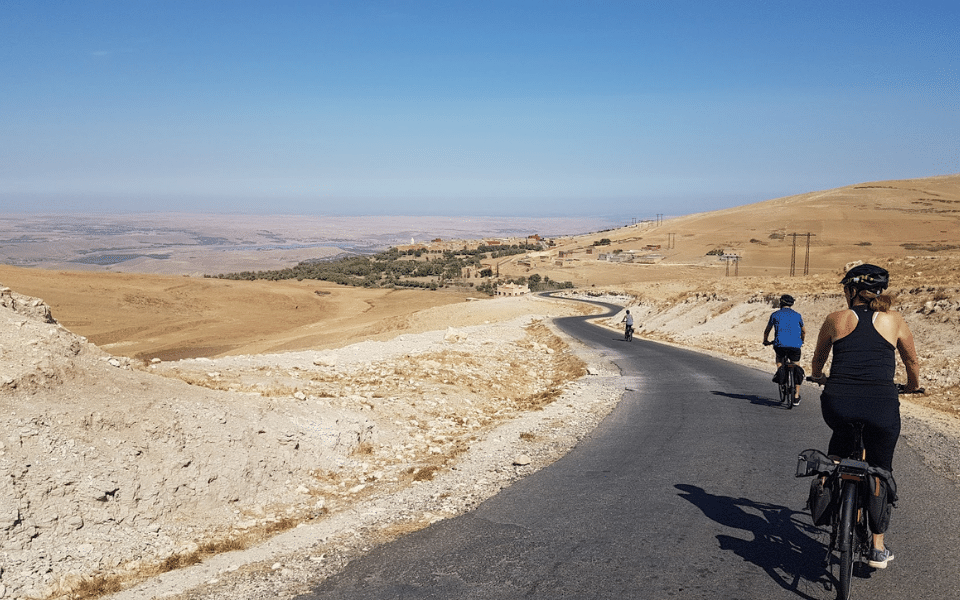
(860, 387)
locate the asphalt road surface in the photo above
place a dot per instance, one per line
(685, 491)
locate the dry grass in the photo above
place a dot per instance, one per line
(426, 473)
(97, 586)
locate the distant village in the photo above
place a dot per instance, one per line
(546, 255)
(496, 267)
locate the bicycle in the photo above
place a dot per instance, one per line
(788, 385)
(628, 333)
(844, 506)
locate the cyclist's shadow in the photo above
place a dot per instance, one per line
(753, 398)
(784, 546)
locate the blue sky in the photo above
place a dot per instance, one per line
(515, 107)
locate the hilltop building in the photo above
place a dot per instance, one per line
(512, 289)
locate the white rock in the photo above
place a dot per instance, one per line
(521, 460)
(326, 360)
(454, 335)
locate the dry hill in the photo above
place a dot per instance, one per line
(869, 221)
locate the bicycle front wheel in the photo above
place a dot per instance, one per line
(848, 520)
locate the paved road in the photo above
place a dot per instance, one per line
(685, 491)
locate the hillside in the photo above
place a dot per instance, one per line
(869, 222)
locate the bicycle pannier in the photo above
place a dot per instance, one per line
(878, 504)
(822, 500)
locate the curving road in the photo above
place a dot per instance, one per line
(686, 491)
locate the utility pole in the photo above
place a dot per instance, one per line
(793, 254)
(736, 265)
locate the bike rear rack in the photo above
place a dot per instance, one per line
(853, 470)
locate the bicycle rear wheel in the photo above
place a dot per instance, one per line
(846, 542)
(782, 385)
(791, 388)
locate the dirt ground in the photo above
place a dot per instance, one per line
(153, 423)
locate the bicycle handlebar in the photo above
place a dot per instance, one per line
(901, 387)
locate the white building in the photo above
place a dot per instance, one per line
(512, 289)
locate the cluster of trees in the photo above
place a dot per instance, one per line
(479, 252)
(535, 282)
(416, 268)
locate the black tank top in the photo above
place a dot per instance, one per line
(863, 355)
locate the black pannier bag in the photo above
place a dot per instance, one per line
(798, 374)
(879, 502)
(822, 500)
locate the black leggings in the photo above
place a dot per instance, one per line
(877, 407)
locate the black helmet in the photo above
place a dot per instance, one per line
(867, 277)
(786, 300)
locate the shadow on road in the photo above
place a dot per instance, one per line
(753, 398)
(782, 544)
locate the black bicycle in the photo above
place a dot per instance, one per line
(787, 380)
(788, 383)
(840, 500)
(628, 333)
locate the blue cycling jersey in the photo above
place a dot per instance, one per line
(787, 324)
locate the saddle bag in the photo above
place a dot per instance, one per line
(822, 500)
(881, 496)
(798, 374)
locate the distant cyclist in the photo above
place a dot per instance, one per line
(628, 319)
(789, 333)
(863, 339)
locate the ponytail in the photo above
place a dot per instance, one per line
(876, 302)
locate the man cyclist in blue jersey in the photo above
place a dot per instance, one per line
(789, 333)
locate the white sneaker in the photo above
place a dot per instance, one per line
(880, 558)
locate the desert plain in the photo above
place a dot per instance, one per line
(167, 434)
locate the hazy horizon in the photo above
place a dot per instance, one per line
(194, 243)
(610, 209)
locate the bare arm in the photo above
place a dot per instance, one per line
(824, 344)
(908, 354)
(766, 332)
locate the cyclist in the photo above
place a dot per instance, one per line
(789, 333)
(628, 319)
(860, 387)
